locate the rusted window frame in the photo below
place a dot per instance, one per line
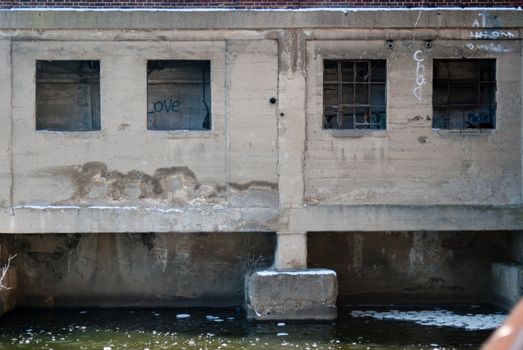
(491, 105)
(341, 107)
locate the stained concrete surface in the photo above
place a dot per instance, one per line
(263, 166)
(137, 270)
(291, 294)
(410, 267)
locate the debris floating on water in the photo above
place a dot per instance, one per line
(438, 318)
(183, 316)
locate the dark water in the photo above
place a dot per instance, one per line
(226, 329)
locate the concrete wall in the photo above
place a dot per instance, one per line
(264, 166)
(140, 270)
(9, 281)
(410, 267)
(410, 163)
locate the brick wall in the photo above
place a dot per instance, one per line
(255, 4)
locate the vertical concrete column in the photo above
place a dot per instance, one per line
(291, 251)
(290, 291)
(5, 119)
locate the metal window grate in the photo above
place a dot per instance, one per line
(354, 94)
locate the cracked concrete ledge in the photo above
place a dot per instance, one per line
(70, 219)
(367, 218)
(345, 218)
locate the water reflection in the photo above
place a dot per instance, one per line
(224, 329)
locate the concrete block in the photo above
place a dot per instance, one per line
(506, 284)
(292, 295)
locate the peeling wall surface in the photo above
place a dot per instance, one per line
(144, 216)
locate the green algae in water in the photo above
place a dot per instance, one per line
(221, 329)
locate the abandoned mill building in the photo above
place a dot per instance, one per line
(288, 156)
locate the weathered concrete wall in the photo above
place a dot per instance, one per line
(9, 297)
(5, 117)
(264, 166)
(506, 285)
(517, 247)
(125, 166)
(410, 163)
(9, 289)
(409, 267)
(139, 270)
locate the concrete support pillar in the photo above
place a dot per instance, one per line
(506, 284)
(290, 291)
(291, 251)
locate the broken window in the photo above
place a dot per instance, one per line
(178, 95)
(68, 95)
(464, 94)
(354, 94)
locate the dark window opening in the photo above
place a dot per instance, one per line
(178, 95)
(68, 95)
(464, 94)
(354, 94)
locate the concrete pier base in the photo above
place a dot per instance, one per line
(292, 295)
(506, 284)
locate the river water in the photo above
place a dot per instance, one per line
(358, 328)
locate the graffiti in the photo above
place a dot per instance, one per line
(492, 34)
(166, 106)
(486, 20)
(420, 74)
(490, 47)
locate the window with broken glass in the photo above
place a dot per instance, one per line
(178, 95)
(354, 94)
(464, 94)
(68, 95)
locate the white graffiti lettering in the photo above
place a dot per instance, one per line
(486, 20)
(420, 74)
(490, 47)
(492, 34)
